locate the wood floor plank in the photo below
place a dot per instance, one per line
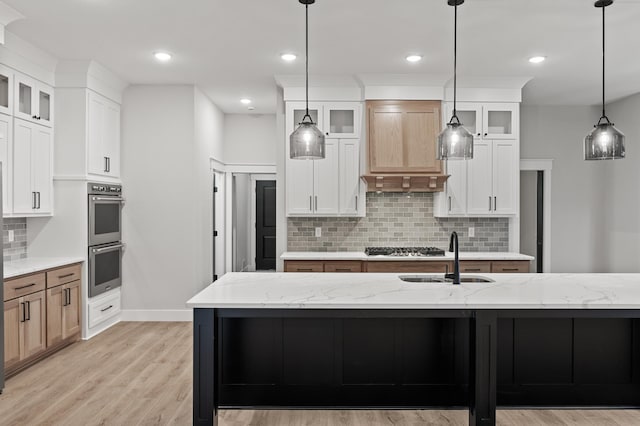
(144, 378)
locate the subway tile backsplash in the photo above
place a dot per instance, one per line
(395, 219)
(18, 248)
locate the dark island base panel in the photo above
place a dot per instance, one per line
(421, 359)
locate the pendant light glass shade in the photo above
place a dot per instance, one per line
(306, 142)
(455, 142)
(604, 142)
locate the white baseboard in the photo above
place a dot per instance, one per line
(171, 315)
(93, 332)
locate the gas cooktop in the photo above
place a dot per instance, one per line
(403, 251)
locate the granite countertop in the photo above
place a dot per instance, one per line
(356, 255)
(387, 291)
(30, 265)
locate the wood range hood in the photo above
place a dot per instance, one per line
(402, 142)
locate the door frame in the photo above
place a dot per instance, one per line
(254, 204)
(544, 166)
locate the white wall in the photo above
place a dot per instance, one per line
(579, 191)
(250, 139)
(168, 135)
(622, 208)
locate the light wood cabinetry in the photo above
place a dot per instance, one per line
(400, 266)
(40, 317)
(409, 266)
(322, 266)
(331, 186)
(402, 136)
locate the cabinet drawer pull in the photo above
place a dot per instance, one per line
(25, 286)
(106, 309)
(304, 270)
(510, 269)
(343, 269)
(66, 276)
(472, 269)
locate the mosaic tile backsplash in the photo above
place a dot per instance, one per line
(394, 219)
(18, 248)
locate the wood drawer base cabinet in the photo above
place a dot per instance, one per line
(40, 319)
(400, 266)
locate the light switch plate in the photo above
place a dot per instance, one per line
(11, 236)
(318, 232)
(472, 232)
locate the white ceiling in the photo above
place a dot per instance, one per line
(231, 48)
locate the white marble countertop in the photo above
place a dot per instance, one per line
(356, 255)
(35, 264)
(386, 291)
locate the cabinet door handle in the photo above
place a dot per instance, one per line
(28, 318)
(33, 201)
(106, 309)
(106, 164)
(489, 202)
(109, 164)
(38, 200)
(24, 312)
(495, 203)
(486, 134)
(316, 203)
(310, 203)
(449, 203)
(25, 286)
(479, 134)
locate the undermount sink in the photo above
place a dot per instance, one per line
(441, 279)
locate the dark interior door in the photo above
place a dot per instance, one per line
(265, 225)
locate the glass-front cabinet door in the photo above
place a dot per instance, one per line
(470, 116)
(342, 120)
(499, 121)
(297, 111)
(25, 97)
(6, 90)
(45, 104)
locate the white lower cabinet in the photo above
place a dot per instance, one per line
(32, 169)
(327, 187)
(487, 185)
(6, 155)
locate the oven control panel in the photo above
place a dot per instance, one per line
(103, 189)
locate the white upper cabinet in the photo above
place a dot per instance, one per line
(6, 156)
(6, 90)
(488, 120)
(331, 186)
(349, 174)
(487, 185)
(32, 169)
(33, 100)
(103, 135)
(342, 120)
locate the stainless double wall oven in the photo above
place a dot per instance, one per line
(105, 237)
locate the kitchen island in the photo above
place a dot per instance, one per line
(373, 340)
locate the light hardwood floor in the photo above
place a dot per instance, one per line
(140, 374)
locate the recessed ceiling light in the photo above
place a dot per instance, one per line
(414, 58)
(162, 56)
(537, 59)
(245, 101)
(288, 57)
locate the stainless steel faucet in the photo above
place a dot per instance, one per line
(453, 247)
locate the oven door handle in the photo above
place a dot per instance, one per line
(118, 199)
(110, 248)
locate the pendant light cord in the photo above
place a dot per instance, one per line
(306, 61)
(604, 115)
(455, 63)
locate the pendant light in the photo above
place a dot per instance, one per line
(307, 141)
(605, 142)
(455, 142)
